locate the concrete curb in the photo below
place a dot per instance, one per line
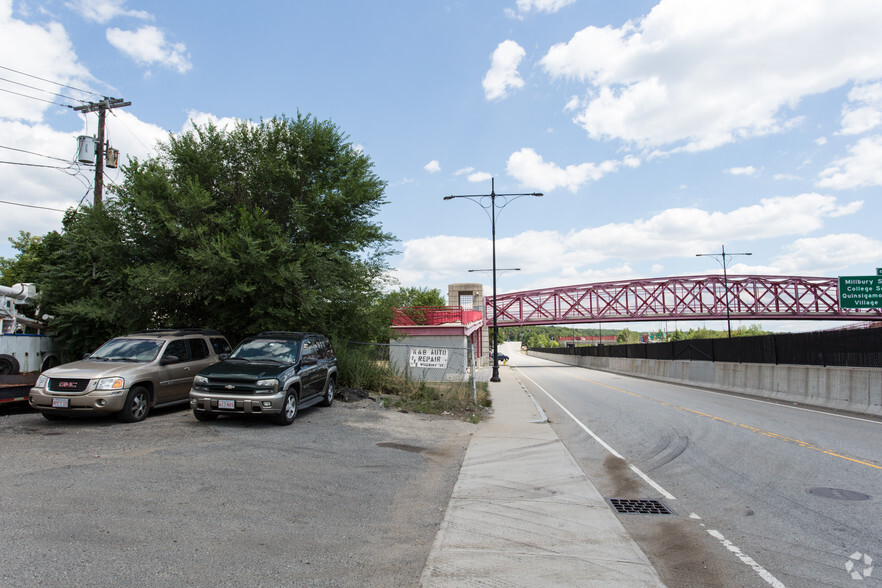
(523, 513)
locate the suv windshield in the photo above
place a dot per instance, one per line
(128, 350)
(277, 350)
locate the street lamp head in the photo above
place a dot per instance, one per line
(449, 197)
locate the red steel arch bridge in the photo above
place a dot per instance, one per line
(680, 298)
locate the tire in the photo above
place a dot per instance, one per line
(328, 399)
(8, 365)
(136, 407)
(52, 416)
(289, 409)
(203, 416)
(48, 363)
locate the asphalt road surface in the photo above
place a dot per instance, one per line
(763, 494)
(350, 495)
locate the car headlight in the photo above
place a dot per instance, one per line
(110, 384)
(267, 386)
(200, 383)
(41, 381)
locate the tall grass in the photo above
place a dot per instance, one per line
(366, 367)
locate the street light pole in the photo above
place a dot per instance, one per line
(479, 198)
(725, 280)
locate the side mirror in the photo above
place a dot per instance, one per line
(310, 360)
(223, 356)
(169, 359)
(87, 355)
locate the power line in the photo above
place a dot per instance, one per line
(35, 98)
(41, 90)
(90, 92)
(32, 205)
(36, 165)
(34, 153)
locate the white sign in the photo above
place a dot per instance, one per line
(426, 357)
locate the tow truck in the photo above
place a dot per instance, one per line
(25, 348)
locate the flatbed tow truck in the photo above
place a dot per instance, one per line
(25, 350)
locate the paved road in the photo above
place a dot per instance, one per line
(764, 494)
(350, 495)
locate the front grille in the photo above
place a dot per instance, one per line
(220, 387)
(68, 385)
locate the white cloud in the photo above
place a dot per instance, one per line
(547, 6)
(503, 73)
(824, 255)
(865, 113)
(102, 11)
(463, 171)
(194, 117)
(479, 177)
(859, 169)
(49, 52)
(148, 46)
(532, 171)
(555, 258)
(432, 167)
(742, 171)
(702, 74)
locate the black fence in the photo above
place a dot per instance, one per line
(848, 348)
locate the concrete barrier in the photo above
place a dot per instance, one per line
(857, 390)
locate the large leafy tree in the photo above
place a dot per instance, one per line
(264, 226)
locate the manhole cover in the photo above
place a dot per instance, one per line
(839, 494)
(639, 506)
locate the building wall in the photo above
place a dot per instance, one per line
(455, 347)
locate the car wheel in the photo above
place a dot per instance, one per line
(8, 365)
(136, 407)
(52, 416)
(201, 415)
(328, 399)
(289, 409)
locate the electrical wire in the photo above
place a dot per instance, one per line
(35, 98)
(89, 92)
(32, 205)
(41, 90)
(33, 153)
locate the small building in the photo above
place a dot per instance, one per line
(441, 343)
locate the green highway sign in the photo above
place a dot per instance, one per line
(860, 291)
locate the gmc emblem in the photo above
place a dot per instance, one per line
(66, 384)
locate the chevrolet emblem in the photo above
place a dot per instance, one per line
(229, 387)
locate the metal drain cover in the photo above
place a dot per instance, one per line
(639, 506)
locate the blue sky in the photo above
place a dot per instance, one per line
(655, 130)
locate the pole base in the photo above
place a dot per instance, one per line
(495, 376)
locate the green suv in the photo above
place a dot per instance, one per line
(129, 375)
(274, 373)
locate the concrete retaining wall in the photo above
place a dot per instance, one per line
(857, 390)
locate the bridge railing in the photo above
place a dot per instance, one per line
(681, 298)
(434, 315)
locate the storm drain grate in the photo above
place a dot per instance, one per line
(639, 506)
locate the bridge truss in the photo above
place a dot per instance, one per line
(681, 298)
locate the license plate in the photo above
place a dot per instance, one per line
(61, 403)
(228, 404)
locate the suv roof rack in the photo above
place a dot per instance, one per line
(178, 332)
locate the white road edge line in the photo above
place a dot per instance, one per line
(760, 570)
(634, 468)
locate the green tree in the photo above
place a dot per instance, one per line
(263, 226)
(626, 335)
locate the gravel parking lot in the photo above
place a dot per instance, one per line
(350, 495)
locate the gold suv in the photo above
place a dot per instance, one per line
(129, 375)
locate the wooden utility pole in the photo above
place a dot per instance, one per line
(101, 108)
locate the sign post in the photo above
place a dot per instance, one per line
(861, 291)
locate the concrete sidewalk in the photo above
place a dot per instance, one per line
(523, 513)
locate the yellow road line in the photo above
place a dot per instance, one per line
(769, 434)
